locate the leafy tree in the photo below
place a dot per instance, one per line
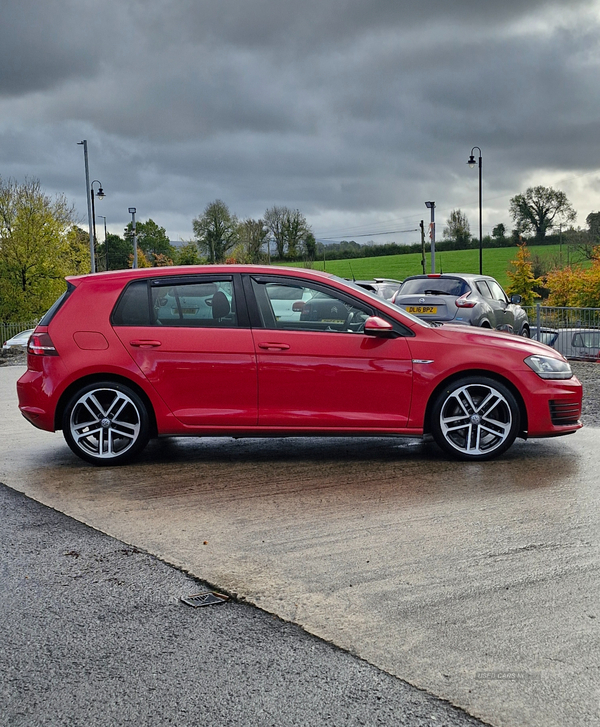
(77, 254)
(119, 249)
(499, 232)
(38, 248)
(142, 260)
(275, 222)
(296, 228)
(458, 229)
(253, 234)
(539, 209)
(522, 280)
(310, 246)
(574, 286)
(153, 241)
(188, 254)
(216, 231)
(289, 229)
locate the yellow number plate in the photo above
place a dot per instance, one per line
(429, 309)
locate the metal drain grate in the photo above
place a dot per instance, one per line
(207, 598)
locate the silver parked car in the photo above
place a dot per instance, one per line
(18, 341)
(468, 299)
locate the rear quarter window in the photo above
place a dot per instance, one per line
(56, 306)
(133, 307)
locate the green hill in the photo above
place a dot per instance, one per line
(496, 262)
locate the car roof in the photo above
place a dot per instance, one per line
(183, 270)
(462, 276)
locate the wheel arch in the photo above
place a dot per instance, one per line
(476, 372)
(93, 378)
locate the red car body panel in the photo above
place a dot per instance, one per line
(255, 381)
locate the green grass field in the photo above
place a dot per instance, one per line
(496, 262)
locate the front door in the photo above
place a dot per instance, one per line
(317, 369)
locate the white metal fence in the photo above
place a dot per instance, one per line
(575, 332)
(8, 330)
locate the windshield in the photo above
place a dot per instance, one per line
(434, 286)
(385, 303)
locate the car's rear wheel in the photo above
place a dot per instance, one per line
(525, 332)
(106, 423)
(475, 418)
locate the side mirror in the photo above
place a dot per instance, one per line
(297, 306)
(516, 299)
(376, 326)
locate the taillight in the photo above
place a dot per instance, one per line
(40, 344)
(464, 302)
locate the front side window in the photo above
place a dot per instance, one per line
(497, 292)
(304, 307)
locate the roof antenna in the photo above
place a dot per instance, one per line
(351, 271)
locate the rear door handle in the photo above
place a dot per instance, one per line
(142, 343)
(274, 346)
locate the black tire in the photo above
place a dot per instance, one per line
(475, 418)
(106, 423)
(525, 332)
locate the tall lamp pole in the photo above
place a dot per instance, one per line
(89, 204)
(431, 206)
(100, 195)
(105, 240)
(472, 163)
(132, 212)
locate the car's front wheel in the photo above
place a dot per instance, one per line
(475, 418)
(106, 423)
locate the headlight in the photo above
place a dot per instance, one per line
(547, 367)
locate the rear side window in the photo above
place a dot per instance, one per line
(198, 304)
(204, 303)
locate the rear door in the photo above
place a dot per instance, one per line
(190, 337)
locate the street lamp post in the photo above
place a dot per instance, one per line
(105, 240)
(472, 163)
(132, 212)
(100, 195)
(89, 204)
(431, 206)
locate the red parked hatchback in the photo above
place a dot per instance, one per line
(251, 351)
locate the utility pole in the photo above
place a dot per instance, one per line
(422, 226)
(431, 206)
(132, 211)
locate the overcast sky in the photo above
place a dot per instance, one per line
(356, 112)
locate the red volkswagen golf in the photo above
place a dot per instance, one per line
(251, 351)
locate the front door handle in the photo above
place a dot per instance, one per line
(142, 343)
(274, 346)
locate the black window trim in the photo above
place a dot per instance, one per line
(243, 319)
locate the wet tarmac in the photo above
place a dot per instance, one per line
(476, 582)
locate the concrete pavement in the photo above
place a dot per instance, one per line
(476, 582)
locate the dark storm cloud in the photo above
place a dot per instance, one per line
(331, 105)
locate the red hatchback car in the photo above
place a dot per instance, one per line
(251, 351)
